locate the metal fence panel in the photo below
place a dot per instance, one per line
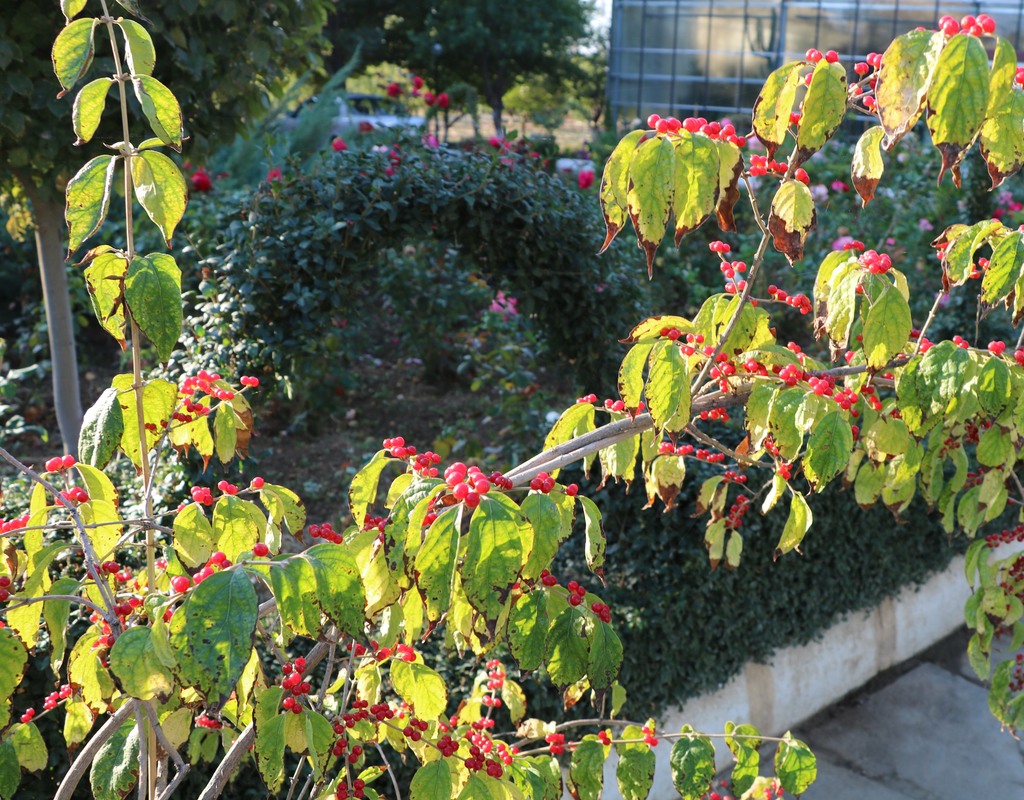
(710, 57)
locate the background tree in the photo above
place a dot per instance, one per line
(225, 59)
(493, 45)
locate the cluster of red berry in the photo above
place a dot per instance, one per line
(980, 25)
(58, 463)
(576, 593)
(713, 130)
(800, 301)
(325, 531)
(877, 263)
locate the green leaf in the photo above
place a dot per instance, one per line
(958, 99)
(908, 65)
(270, 737)
(649, 197)
(86, 671)
(72, 8)
(55, 615)
(362, 492)
(13, 658)
(527, 630)
(237, 525)
(72, 52)
(650, 329)
(10, 770)
(565, 647)
(29, 747)
(696, 190)
(1004, 268)
(102, 429)
(139, 51)
(500, 540)
(791, 219)
(158, 400)
(291, 583)
(137, 668)
(795, 765)
(668, 388)
(744, 751)
(823, 109)
(774, 105)
(958, 257)
(212, 634)
(193, 536)
(88, 197)
(635, 771)
(995, 448)
(867, 166)
(339, 588)
(78, 721)
(104, 277)
(797, 525)
(160, 189)
(161, 109)
(88, 108)
(887, 326)
(586, 769)
(284, 505)
(664, 478)
(693, 764)
(631, 376)
(226, 425)
(733, 549)
(115, 770)
(548, 532)
(432, 781)
(993, 386)
(605, 658)
(841, 307)
(615, 184)
(152, 292)
(435, 562)
(828, 450)
(421, 687)
(595, 540)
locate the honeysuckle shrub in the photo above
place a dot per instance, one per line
(180, 648)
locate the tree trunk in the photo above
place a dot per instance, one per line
(496, 109)
(49, 219)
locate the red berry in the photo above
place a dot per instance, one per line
(814, 56)
(180, 583)
(653, 120)
(802, 176)
(260, 549)
(831, 56)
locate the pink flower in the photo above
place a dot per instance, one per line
(842, 242)
(504, 305)
(839, 186)
(496, 142)
(442, 100)
(431, 141)
(417, 82)
(394, 90)
(339, 145)
(274, 174)
(925, 225)
(585, 179)
(428, 98)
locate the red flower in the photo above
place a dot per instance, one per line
(201, 181)
(365, 127)
(428, 98)
(339, 144)
(585, 179)
(442, 100)
(417, 82)
(394, 90)
(274, 174)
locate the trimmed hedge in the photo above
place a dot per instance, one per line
(297, 265)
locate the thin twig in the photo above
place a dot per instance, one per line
(391, 773)
(42, 599)
(711, 441)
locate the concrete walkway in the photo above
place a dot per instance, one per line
(920, 731)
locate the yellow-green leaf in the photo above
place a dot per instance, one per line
(903, 80)
(13, 658)
(668, 388)
(499, 543)
(421, 687)
(1004, 268)
(160, 189)
(237, 525)
(72, 8)
(828, 450)
(88, 108)
(158, 401)
(137, 668)
(958, 99)
(650, 192)
(887, 326)
(867, 163)
(102, 429)
(161, 109)
(795, 764)
(29, 746)
(823, 109)
(631, 376)
(730, 168)
(73, 51)
(88, 198)
(115, 769)
(104, 278)
(774, 105)
(432, 781)
(139, 51)
(791, 219)
(86, 671)
(152, 292)
(435, 562)
(695, 194)
(615, 184)
(797, 525)
(1002, 146)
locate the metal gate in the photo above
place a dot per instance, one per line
(710, 57)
